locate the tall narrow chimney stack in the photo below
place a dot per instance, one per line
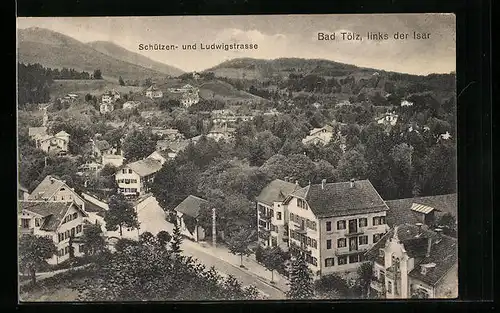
(429, 247)
(439, 233)
(323, 182)
(352, 183)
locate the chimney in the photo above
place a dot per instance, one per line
(51, 180)
(286, 178)
(439, 233)
(352, 183)
(429, 247)
(323, 182)
(297, 182)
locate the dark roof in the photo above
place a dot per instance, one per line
(51, 211)
(102, 145)
(443, 252)
(191, 206)
(145, 167)
(92, 207)
(276, 191)
(337, 199)
(400, 210)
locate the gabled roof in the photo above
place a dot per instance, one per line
(152, 88)
(37, 131)
(102, 145)
(47, 188)
(400, 210)
(443, 250)
(145, 167)
(328, 128)
(191, 206)
(338, 199)
(62, 133)
(52, 211)
(276, 191)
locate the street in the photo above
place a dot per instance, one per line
(152, 219)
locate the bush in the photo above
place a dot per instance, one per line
(259, 254)
(59, 279)
(333, 285)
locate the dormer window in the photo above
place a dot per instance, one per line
(423, 270)
(381, 253)
(37, 222)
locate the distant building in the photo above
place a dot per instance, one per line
(171, 134)
(190, 98)
(217, 133)
(187, 214)
(445, 136)
(153, 93)
(52, 188)
(387, 119)
(135, 178)
(129, 105)
(106, 107)
(110, 96)
(100, 147)
(90, 167)
(56, 220)
(172, 148)
(56, 144)
(412, 261)
(406, 103)
(344, 103)
(321, 136)
(112, 159)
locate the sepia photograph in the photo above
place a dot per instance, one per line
(237, 157)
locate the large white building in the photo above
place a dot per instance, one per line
(52, 188)
(321, 136)
(333, 223)
(56, 220)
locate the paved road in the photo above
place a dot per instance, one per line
(152, 218)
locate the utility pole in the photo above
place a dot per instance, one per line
(214, 229)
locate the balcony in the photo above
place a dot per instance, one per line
(344, 251)
(300, 229)
(26, 231)
(354, 233)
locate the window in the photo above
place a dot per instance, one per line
(314, 261)
(66, 250)
(262, 223)
(81, 248)
(72, 232)
(25, 223)
(329, 244)
(381, 253)
(130, 171)
(78, 229)
(341, 243)
(60, 237)
(313, 225)
(328, 226)
(363, 240)
(376, 237)
(309, 241)
(75, 215)
(342, 260)
(314, 243)
(278, 216)
(363, 222)
(274, 241)
(423, 270)
(340, 225)
(62, 198)
(124, 171)
(301, 204)
(271, 212)
(378, 220)
(329, 262)
(354, 258)
(292, 217)
(389, 286)
(37, 222)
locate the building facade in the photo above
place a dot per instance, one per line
(321, 136)
(135, 179)
(335, 224)
(187, 213)
(413, 261)
(56, 220)
(52, 188)
(272, 214)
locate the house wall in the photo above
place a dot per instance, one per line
(48, 145)
(447, 287)
(67, 194)
(393, 248)
(132, 187)
(117, 162)
(198, 233)
(334, 234)
(415, 283)
(276, 235)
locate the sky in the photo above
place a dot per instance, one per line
(277, 36)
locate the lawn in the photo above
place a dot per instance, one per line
(61, 292)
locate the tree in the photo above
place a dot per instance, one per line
(239, 242)
(273, 260)
(440, 172)
(352, 164)
(176, 242)
(121, 213)
(34, 252)
(163, 237)
(301, 280)
(120, 81)
(365, 276)
(93, 239)
(97, 74)
(138, 145)
(71, 249)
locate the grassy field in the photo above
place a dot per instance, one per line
(53, 293)
(95, 87)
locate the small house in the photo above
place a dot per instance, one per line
(187, 214)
